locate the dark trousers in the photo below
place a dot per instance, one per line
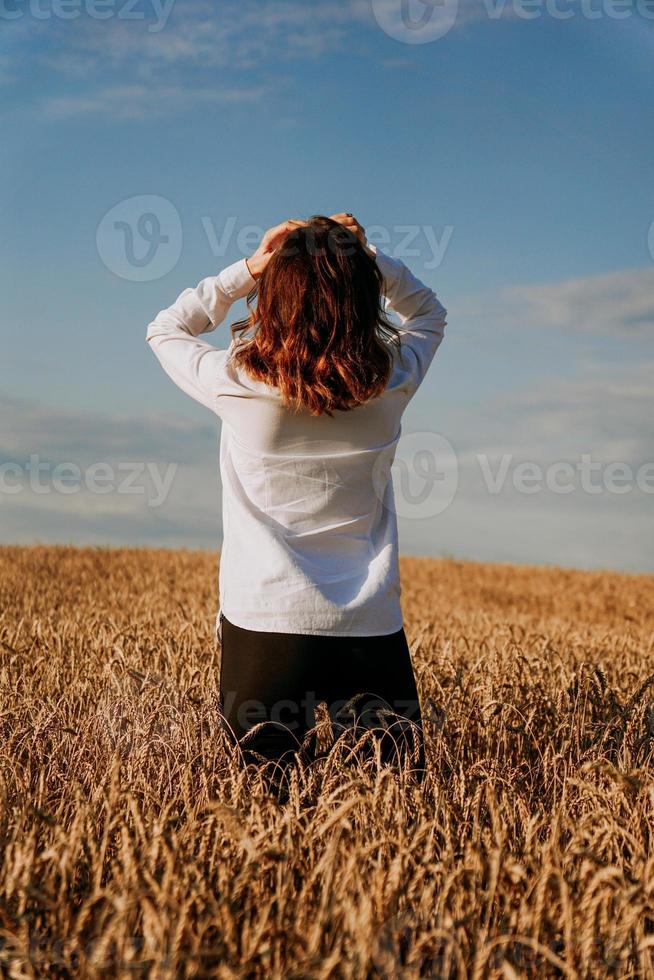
(272, 683)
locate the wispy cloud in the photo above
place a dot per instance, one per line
(125, 480)
(604, 410)
(203, 54)
(83, 437)
(619, 303)
(140, 102)
(239, 36)
(202, 48)
(603, 414)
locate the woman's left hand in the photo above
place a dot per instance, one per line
(348, 221)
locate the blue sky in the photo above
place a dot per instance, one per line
(512, 157)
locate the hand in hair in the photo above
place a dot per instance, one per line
(348, 220)
(271, 241)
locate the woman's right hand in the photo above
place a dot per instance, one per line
(348, 220)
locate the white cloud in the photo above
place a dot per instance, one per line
(83, 437)
(194, 44)
(606, 415)
(619, 303)
(605, 410)
(162, 474)
(603, 414)
(197, 35)
(203, 54)
(141, 102)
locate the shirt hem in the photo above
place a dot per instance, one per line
(275, 626)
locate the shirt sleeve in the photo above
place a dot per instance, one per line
(193, 364)
(422, 316)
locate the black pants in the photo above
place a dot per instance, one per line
(276, 680)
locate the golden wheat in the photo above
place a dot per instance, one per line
(134, 843)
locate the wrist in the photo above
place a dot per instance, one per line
(254, 267)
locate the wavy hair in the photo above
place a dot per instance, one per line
(318, 332)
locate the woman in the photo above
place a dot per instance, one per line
(310, 392)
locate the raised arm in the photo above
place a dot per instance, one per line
(422, 316)
(193, 364)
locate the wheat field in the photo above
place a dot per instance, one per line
(136, 844)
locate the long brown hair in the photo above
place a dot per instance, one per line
(318, 333)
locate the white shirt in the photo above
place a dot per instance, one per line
(310, 540)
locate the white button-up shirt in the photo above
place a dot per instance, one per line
(310, 541)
